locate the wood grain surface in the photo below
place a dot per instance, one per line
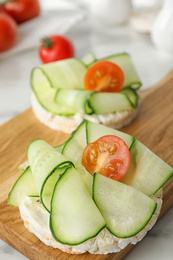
(153, 126)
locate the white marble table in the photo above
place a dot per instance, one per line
(87, 36)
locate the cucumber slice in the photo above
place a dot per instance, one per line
(23, 166)
(60, 147)
(80, 134)
(45, 93)
(74, 217)
(89, 102)
(24, 186)
(132, 95)
(73, 151)
(44, 159)
(131, 77)
(105, 103)
(47, 78)
(95, 131)
(125, 209)
(89, 58)
(68, 73)
(75, 99)
(147, 172)
(48, 187)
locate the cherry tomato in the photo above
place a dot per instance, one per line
(109, 156)
(8, 31)
(104, 76)
(56, 48)
(22, 10)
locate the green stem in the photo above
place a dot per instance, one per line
(47, 43)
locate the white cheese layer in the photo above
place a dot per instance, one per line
(69, 124)
(36, 220)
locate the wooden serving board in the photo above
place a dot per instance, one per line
(153, 126)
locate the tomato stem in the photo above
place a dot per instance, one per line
(47, 42)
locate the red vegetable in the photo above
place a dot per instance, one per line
(56, 48)
(22, 10)
(8, 31)
(104, 76)
(109, 156)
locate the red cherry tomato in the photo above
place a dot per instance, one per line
(56, 48)
(104, 76)
(109, 156)
(8, 31)
(22, 10)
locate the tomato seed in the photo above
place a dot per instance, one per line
(92, 82)
(98, 73)
(111, 168)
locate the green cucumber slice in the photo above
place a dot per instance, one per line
(47, 78)
(74, 218)
(125, 209)
(73, 151)
(131, 77)
(24, 186)
(43, 160)
(48, 187)
(89, 58)
(132, 95)
(147, 172)
(23, 166)
(95, 131)
(80, 134)
(105, 103)
(89, 102)
(60, 147)
(45, 93)
(75, 99)
(68, 73)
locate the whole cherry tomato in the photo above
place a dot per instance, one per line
(8, 31)
(56, 48)
(22, 10)
(109, 156)
(104, 76)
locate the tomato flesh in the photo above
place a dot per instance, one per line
(104, 76)
(109, 156)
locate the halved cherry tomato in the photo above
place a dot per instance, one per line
(109, 156)
(104, 76)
